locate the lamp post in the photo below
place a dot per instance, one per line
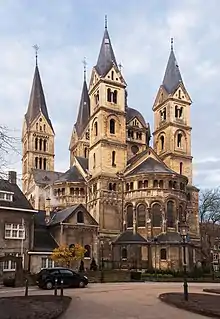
(184, 228)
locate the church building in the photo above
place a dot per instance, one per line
(129, 197)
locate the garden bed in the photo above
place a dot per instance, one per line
(33, 307)
(204, 304)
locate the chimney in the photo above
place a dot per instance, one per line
(47, 210)
(12, 177)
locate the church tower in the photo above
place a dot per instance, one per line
(172, 130)
(79, 142)
(37, 133)
(108, 148)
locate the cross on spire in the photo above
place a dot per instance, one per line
(36, 48)
(171, 42)
(106, 21)
(84, 67)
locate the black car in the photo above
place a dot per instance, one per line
(71, 279)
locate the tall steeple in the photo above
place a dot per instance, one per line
(172, 77)
(37, 102)
(84, 110)
(106, 58)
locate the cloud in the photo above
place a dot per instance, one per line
(140, 36)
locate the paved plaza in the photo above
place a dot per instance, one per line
(122, 301)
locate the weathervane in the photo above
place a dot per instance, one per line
(84, 67)
(36, 47)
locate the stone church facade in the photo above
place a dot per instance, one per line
(137, 193)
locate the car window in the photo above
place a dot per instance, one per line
(54, 272)
(66, 272)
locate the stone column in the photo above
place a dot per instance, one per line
(134, 220)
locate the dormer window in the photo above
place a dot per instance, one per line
(7, 196)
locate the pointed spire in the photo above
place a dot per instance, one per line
(172, 77)
(84, 111)
(84, 68)
(106, 57)
(37, 102)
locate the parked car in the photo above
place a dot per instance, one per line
(71, 279)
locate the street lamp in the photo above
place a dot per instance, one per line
(184, 228)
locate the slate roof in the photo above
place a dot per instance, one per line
(45, 177)
(43, 240)
(84, 162)
(19, 199)
(37, 102)
(172, 77)
(72, 175)
(106, 57)
(132, 113)
(60, 216)
(84, 111)
(150, 165)
(173, 237)
(128, 237)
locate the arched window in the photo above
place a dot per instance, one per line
(188, 197)
(170, 214)
(109, 95)
(114, 187)
(96, 128)
(156, 215)
(40, 144)
(181, 168)
(162, 143)
(179, 139)
(36, 162)
(124, 253)
(110, 187)
(181, 216)
(130, 216)
(174, 185)
(163, 254)
(141, 216)
(112, 126)
(145, 184)
(37, 126)
(160, 184)
(179, 94)
(44, 127)
(113, 158)
(155, 184)
(80, 217)
(45, 164)
(115, 93)
(176, 111)
(40, 163)
(94, 160)
(170, 184)
(112, 75)
(87, 252)
(127, 187)
(85, 152)
(45, 145)
(36, 143)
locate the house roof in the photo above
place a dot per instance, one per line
(84, 162)
(84, 111)
(43, 240)
(19, 199)
(150, 165)
(171, 237)
(37, 102)
(45, 177)
(71, 175)
(133, 113)
(128, 237)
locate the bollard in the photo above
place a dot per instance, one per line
(55, 287)
(61, 287)
(26, 287)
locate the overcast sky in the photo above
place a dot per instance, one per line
(140, 32)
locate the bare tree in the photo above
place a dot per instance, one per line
(209, 211)
(8, 146)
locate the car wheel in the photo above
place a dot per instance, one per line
(49, 285)
(81, 284)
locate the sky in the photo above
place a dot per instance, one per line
(67, 31)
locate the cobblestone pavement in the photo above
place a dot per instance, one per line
(120, 300)
(127, 301)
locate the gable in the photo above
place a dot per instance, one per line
(115, 75)
(162, 95)
(41, 125)
(181, 94)
(134, 122)
(149, 162)
(94, 79)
